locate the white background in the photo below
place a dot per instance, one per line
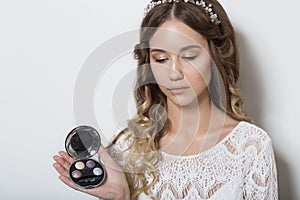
(44, 43)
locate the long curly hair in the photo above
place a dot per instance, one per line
(151, 123)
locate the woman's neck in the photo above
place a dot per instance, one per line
(195, 127)
(196, 118)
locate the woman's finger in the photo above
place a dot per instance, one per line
(66, 156)
(60, 169)
(61, 161)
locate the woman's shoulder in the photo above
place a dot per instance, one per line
(252, 131)
(247, 135)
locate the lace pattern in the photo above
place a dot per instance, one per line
(241, 166)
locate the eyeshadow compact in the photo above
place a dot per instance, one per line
(83, 143)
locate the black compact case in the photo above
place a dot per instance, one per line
(83, 143)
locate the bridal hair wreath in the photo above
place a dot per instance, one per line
(208, 8)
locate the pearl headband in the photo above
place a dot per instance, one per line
(208, 8)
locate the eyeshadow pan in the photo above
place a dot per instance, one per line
(90, 164)
(79, 165)
(97, 171)
(76, 174)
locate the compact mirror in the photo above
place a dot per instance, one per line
(83, 143)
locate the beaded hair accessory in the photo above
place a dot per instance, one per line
(208, 8)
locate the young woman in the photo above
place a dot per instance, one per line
(191, 138)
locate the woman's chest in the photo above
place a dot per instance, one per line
(196, 178)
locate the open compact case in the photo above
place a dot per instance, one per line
(83, 143)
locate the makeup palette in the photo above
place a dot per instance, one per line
(83, 143)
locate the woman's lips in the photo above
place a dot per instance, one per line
(178, 90)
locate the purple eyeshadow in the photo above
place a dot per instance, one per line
(90, 164)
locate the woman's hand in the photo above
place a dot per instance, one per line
(114, 187)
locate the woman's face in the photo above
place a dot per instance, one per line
(180, 62)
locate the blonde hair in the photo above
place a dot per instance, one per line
(150, 123)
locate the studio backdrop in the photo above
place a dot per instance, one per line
(65, 63)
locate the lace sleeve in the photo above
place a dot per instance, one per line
(261, 176)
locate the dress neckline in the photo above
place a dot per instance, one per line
(232, 132)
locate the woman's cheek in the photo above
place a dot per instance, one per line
(201, 70)
(160, 73)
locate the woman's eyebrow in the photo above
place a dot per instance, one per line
(190, 47)
(181, 50)
(158, 50)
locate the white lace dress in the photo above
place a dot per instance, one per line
(241, 166)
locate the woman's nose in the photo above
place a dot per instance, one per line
(175, 72)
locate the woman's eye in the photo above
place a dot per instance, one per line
(188, 58)
(161, 60)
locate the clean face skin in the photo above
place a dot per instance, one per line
(181, 64)
(181, 68)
